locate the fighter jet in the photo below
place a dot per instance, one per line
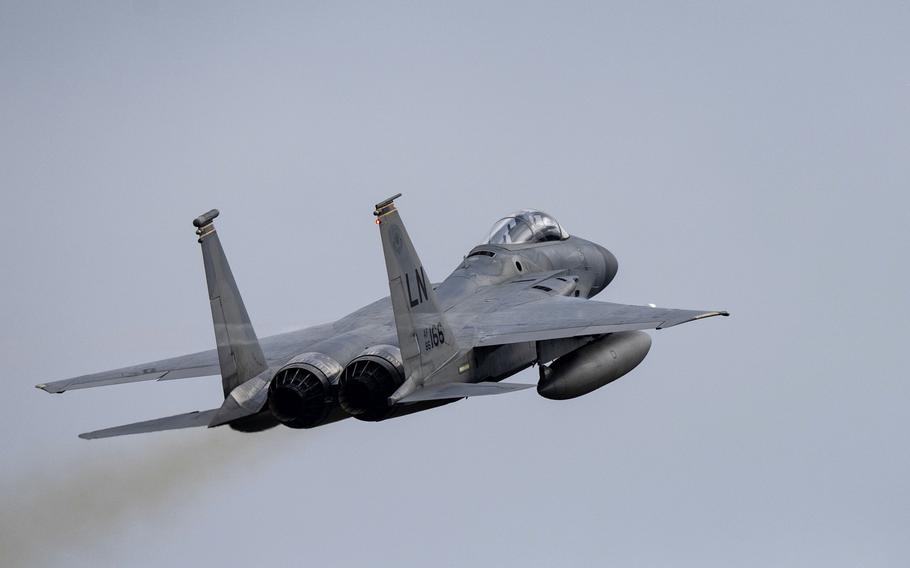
(521, 298)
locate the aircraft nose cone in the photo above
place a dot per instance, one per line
(611, 265)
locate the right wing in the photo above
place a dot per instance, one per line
(559, 317)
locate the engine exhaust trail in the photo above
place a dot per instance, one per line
(79, 503)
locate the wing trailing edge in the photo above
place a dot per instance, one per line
(135, 374)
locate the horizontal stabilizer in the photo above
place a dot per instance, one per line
(462, 390)
(245, 400)
(188, 420)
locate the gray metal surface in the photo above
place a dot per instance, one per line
(240, 356)
(505, 307)
(594, 365)
(427, 341)
(188, 420)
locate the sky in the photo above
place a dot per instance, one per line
(748, 156)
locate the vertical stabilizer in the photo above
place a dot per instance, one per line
(425, 338)
(239, 353)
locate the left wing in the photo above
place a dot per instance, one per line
(201, 364)
(277, 349)
(558, 317)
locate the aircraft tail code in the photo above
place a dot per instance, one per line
(425, 338)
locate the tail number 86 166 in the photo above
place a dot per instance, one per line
(433, 336)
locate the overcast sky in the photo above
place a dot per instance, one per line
(749, 156)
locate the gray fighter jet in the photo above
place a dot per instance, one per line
(522, 298)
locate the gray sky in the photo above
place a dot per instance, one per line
(751, 156)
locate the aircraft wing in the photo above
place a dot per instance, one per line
(200, 364)
(277, 349)
(558, 317)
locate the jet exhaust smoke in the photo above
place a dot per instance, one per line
(73, 504)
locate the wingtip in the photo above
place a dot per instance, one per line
(724, 313)
(701, 316)
(47, 388)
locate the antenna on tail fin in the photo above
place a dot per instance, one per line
(239, 353)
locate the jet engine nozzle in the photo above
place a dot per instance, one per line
(369, 380)
(593, 365)
(302, 394)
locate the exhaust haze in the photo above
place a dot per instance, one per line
(50, 513)
(747, 156)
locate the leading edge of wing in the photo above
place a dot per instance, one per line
(187, 420)
(559, 318)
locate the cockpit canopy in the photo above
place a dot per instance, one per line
(526, 226)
